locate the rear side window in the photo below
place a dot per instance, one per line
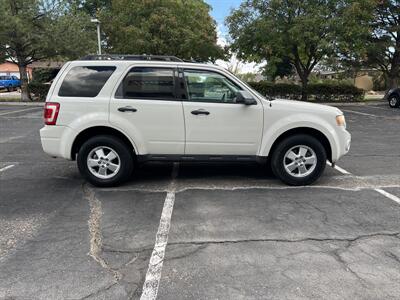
(85, 81)
(148, 83)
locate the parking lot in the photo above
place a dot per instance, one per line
(204, 231)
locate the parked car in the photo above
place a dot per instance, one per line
(9, 82)
(393, 97)
(110, 113)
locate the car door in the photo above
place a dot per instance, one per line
(215, 124)
(146, 107)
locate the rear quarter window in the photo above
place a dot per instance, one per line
(85, 81)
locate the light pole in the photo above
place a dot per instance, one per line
(97, 22)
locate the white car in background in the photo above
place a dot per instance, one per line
(111, 112)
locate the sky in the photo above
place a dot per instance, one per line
(220, 10)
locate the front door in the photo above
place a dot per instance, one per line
(215, 124)
(145, 106)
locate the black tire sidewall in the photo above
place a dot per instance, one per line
(125, 155)
(277, 161)
(397, 104)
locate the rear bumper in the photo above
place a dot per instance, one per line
(54, 141)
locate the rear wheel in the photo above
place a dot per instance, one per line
(105, 161)
(299, 160)
(394, 101)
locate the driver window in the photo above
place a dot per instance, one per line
(206, 86)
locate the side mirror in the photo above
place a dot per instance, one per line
(245, 98)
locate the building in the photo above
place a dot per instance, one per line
(363, 79)
(10, 68)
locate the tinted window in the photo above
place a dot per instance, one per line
(205, 86)
(148, 83)
(85, 81)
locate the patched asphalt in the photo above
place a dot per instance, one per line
(235, 233)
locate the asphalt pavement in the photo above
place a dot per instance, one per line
(201, 231)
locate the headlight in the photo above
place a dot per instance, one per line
(341, 121)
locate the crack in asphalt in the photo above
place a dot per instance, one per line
(336, 255)
(97, 248)
(99, 291)
(342, 182)
(308, 239)
(95, 231)
(392, 256)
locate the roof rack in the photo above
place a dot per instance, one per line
(132, 57)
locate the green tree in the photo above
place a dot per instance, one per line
(383, 48)
(183, 28)
(278, 67)
(301, 31)
(33, 30)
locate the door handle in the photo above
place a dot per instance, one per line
(127, 108)
(200, 112)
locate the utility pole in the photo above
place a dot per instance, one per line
(97, 22)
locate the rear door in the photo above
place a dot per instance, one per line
(147, 108)
(215, 123)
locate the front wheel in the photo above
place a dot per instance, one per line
(394, 101)
(299, 160)
(105, 161)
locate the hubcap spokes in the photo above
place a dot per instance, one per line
(103, 162)
(300, 161)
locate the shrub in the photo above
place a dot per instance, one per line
(39, 90)
(320, 92)
(43, 75)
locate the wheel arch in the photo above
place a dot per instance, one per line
(395, 91)
(99, 130)
(305, 130)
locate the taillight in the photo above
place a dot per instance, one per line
(51, 113)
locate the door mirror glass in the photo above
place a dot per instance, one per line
(245, 97)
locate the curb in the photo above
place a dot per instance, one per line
(23, 103)
(374, 103)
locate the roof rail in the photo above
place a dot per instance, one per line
(132, 57)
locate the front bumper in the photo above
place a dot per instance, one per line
(344, 144)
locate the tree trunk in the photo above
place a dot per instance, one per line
(25, 94)
(393, 81)
(304, 86)
(394, 74)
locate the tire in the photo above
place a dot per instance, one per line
(113, 167)
(394, 101)
(9, 89)
(301, 170)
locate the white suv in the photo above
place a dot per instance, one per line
(112, 112)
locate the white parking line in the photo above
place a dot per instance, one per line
(9, 139)
(382, 192)
(341, 170)
(6, 168)
(20, 110)
(153, 275)
(388, 195)
(360, 113)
